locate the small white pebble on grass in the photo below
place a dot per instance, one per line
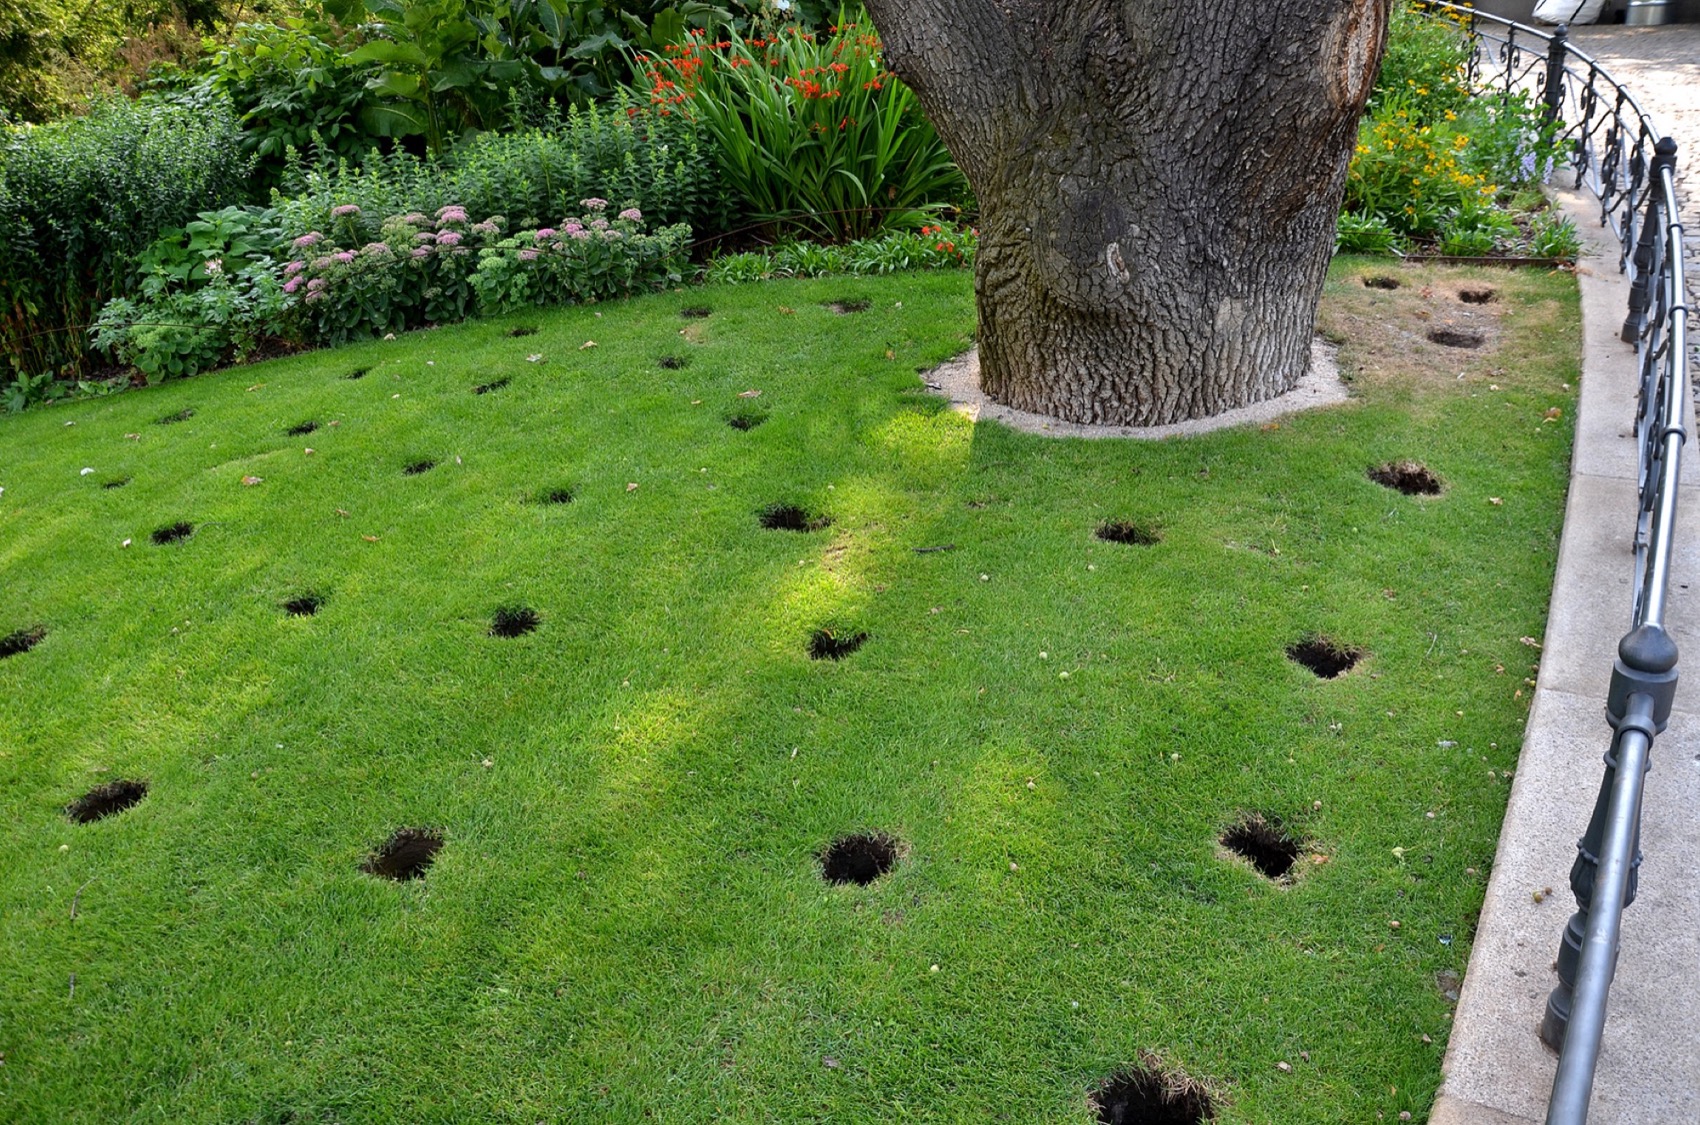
(126, 543)
(1044, 656)
(934, 969)
(985, 578)
(487, 763)
(67, 847)
(85, 472)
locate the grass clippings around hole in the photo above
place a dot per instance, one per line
(522, 330)
(789, 517)
(558, 495)
(860, 858)
(115, 482)
(405, 855)
(1150, 1095)
(358, 373)
(1264, 844)
(493, 385)
(1137, 534)
(513, 621)
(1480, 295)
(303, 605)
(415, 468)
(1452, 336)
(172, 533)
(106, 800)
(746, 418)
(301, 429)
(849, 306)
(1326, 657)
(1381, 281)
(695, 312)
(183, 415)
(20, 641)
(830, 644)
(674, 362)
(1409, 477)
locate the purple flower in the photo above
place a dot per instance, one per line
(424, 236)
(292, 285)
(375, 248)
(345, 210)
(631, 215)
(546, 232)
(451, 215)
(421, 252)
(345, 256)
(599, 224)
(448, 238)
(311, 238)
(572, 228)
(315, 285)
(321, 264)
(581, 233)
(415, 218)
(294, 268)
(593, 204)
(486, 227)
(528, 255)
(315, 295)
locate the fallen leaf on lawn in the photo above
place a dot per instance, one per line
(256, 386)
(587, 344)
(307, 452)
(889, 354)
(751, 393)
(696, 402)
(631, 486)
(830, 1063)
(86, 471)
(335, 423)
(134, 437)
(1554, 414)
(537, 357)
(126, 543)
(342, 513)
(1495, 501)
(252, 481)
(786, 310)
(1284, 1067)
(370, 538)
(1530, 641)
(1271, 426)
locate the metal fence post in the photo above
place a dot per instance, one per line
(1553, 94)
(1645, 671)
(1641, 289)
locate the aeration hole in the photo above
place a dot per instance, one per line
(301, 430)
(522, 330)
(116, 482)
(695, 312)
(20, 641)
(1264, 844)
(405, 855)
(303, 605)
(417, 467)
(845, 308)
(106, 800)
(829, 644)
(494, 385)
(858, 859)
(1147, 1096)
(1381, 282)
(674, 362)
(513, 621)
(172, 533)
(789, 517)
(1409, 477)
(1450, 337)
(1326, 657)
(1477, 296)
(1125, 531)
(746, 419)
(183, 415)
(357, 373)
(556, 496)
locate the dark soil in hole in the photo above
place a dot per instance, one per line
(1270, 849)
(1147, 1096)
(556, 496)
(695, 312)
(674, 362)
(306, 605)
(405, 855)
(522, 330)
(1450, 337)
(745, 419)
(1122, 531)
(418, 467)
(1381, 282)
(105, 800)
(845, 308)
(1477, 296)
(825, 644)
(1327, 658)
(183, 415)
(357, 373)
(173, 532)
(789, 517)
(1409, 477)
(116, 482)
(513, 621)
(302, 430)
(494, 385)
(20, 641)
(858, 859)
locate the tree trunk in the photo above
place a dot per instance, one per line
(1158, 184)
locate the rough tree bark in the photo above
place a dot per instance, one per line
(1157, 182)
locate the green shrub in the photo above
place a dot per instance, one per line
(81, 198)
(933, 247)
(589, 257)
(1553, 236)
(813, 132)
(1364, 234)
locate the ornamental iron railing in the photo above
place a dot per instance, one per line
(1618, 155)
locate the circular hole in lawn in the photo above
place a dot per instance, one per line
(1126, 531)
(1410, 477)
(831, 644)
(1480, 296)
(116, 482)
(303, 605)
(555, 496)
(523, 330)
(20, 641)
(1147, 1096)
(845, 308)
(1325, 656)
(858, 859)
(493, 385)
(105, 800)
(301, 430)
(746, 419)
(1449, 336)
(172, 533)
(357, 373)
(695, 312)
(1381, 281)
(183, 415)
(405, 855)
(513, 621)
(417, 467)
(789, 517)
(1264, 843)
(674, 362)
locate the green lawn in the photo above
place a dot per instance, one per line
(627, 920)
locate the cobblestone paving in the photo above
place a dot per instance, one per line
(1661, 66)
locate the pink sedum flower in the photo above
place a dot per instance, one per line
(294, 268)
(421, 252)
(573, 228)
(528, 255)
(344, 211)
(546, 232)
(593, 204)
(448, 238)
(311, 238)
(316, 284)
(292, 285)
(345, 256)
(321, 264)
(632, 215)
